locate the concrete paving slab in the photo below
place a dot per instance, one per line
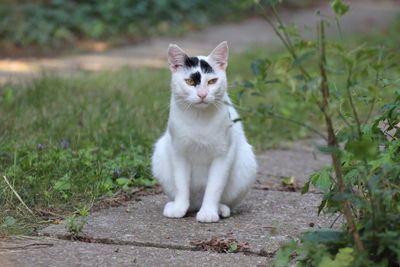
(300, 162)
(61, 253)
(264, 220)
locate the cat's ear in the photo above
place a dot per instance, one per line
(176, 57)
(220, 55)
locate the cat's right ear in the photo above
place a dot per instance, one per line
(176, 57)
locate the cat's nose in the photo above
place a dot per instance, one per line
(202, 95)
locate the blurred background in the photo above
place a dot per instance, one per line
(45, 26)
(48, 29)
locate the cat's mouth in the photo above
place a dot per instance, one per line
(202, 103)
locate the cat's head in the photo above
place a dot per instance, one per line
(198, 81)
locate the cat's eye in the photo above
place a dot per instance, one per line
(212, 81)
(189, 82)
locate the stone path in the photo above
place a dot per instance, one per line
(137, 233)
(364, 16)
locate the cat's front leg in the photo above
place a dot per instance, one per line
(180, 205)
(218, 174)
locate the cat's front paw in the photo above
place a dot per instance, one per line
(175, 210)
(207, 215)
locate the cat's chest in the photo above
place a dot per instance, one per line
(211, 138)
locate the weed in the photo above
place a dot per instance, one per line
(74, 224)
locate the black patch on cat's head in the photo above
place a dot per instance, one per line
(191, 62)
(205, 67)
(196, 77)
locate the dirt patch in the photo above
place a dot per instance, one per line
(283, 186)
(221, 244)
(124, 198)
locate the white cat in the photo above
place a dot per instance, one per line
(203, 161)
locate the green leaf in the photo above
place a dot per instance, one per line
(362, 148)
(366, 53)
(147, 182)
(255, 66)
(62, 185)
(248, 84)
(144, 182)
(10, 221)
(301, 58)
(233, 248)
(322, 179)
(344, 258)
(289, 180)
(255, 94)
(324, 236)
(283, 257)
(305, 188)
(123, 181)
(340, 8)
(322, 206)
(260, 67)
(125, 187)
(283, 65)
(328, 149)
(240, 94)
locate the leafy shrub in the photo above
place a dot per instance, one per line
(344, 84)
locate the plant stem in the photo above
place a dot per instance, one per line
(339, 28)
(376, 85)
(332, 141)
(344, 119)
(285, 39)
(353, 107)
(283, 27)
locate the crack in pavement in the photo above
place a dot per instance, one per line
(107, 241)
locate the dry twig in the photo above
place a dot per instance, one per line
(17, 195)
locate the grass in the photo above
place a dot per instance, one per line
(68, 142)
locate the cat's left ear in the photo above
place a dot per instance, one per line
(220, 55)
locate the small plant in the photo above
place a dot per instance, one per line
(76, 221)
(344, 84)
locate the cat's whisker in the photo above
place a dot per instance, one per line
(217, 104)
(188, 105)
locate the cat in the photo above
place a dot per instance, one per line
(203, 161)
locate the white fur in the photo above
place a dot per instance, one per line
(203, 161)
